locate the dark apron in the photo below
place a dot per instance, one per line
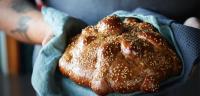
(92, 11)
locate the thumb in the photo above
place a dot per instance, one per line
(47, 39)
(192, 22)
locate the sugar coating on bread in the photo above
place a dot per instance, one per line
(121, 56)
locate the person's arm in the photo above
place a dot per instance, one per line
(22, 21)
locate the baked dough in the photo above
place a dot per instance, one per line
(120, 56)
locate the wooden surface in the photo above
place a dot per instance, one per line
(13, 56)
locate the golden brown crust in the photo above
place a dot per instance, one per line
(120, 56)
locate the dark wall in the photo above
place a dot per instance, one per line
(26, 53)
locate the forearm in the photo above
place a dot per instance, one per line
(22, 21)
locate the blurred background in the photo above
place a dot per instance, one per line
(15, 72)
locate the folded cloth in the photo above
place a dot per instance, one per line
(47, 81)
(185, 39)
(44, 73)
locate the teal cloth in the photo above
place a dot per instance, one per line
(46, 79)
(44, 71)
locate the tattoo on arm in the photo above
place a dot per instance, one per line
(21, 6)
(22, 27)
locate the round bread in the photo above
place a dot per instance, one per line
(120, 56)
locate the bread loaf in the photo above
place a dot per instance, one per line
(120, 56)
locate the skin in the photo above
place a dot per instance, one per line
(22, 21)
(193, 22)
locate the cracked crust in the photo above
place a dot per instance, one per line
(120, 56)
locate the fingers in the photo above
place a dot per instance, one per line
(193, 22)
(47, 39)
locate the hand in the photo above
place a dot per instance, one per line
(47, 38)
